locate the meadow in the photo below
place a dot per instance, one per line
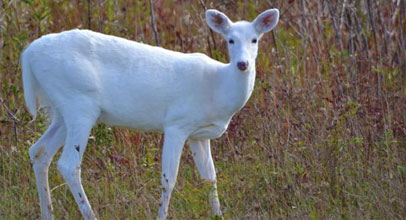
(322, 137)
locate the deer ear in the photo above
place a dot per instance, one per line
(218, 21)
(266, 21)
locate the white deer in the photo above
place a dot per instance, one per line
(85, 77)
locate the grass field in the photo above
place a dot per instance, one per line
(322, 137)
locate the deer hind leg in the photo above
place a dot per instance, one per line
(78, 129)
(41, 154)
(204, 162)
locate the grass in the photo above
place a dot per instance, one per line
(322, 137)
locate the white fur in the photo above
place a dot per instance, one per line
(86, 77)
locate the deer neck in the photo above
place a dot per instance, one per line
(236, 86)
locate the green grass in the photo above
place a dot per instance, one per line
(322, 137)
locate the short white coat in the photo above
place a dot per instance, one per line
(85, 77)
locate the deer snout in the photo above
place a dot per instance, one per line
(242, 65)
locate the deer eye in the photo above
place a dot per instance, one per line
(254, 41)
(231, 41)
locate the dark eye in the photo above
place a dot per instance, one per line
(254, 41)
(231, 41)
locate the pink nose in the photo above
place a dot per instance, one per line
(242, 65)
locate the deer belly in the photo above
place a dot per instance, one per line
(138, 120)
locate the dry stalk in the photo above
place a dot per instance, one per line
(210, 30)
(13, 117)
(89, 16)
(151, 8)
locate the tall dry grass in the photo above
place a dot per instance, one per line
(323, 136)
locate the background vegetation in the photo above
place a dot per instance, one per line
(323, 136)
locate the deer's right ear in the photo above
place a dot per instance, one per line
(218, 21)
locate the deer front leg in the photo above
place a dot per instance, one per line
(172, 150)
(204, 162)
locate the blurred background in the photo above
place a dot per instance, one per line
(322, 137)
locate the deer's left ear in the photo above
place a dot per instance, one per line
(266, 21)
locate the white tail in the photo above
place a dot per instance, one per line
(87, 77)
(30, 88)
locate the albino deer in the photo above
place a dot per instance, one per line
(85, 77)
